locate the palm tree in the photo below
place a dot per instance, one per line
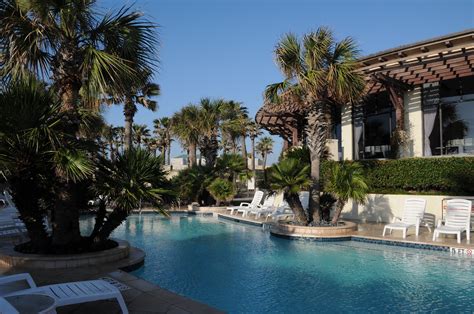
(321, 71)
(139, 93)
(140, 132)
(210, 112)
(346, 182)
(254, 132)
(32, 134)
(135, 175)
(234, 124)
(230, 166)
(110, 134)
(290, 177)
(186, 127)
(265, 147)
(162, 130)
(77, 49)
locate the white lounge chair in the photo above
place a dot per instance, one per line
(457, 220)
(267, 206)
(283, 211)
(70, 292)
(412, 217)
(244, 207)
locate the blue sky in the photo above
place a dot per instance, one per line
(223, 48)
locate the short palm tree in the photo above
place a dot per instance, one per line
(234, 125)
(230, 166)
(32, 134)
(186, 127)
(289, 177)
(134, 176)
(221, 190)
(346, 182)
(321, 71)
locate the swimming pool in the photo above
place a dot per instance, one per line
(242, 269)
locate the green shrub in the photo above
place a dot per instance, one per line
(450, 175)
(221, 190)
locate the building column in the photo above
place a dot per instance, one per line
(414, 123)
(347, 133)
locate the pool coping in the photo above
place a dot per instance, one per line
(337, 238)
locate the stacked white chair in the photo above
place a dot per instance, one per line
(245, 207)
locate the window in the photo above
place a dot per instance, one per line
(374, 122)
(449, 120)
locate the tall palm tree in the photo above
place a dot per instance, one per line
(140, 132)
(289, 177)
(162, 129)
(186, 127)
(254, 132)
(346, 182)
(321, 71)
(210, 112)
(265, 147)
(233, 127)
(74, 46)
(139, 93)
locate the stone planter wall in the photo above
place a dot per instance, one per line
(11, 258)
(314, 232)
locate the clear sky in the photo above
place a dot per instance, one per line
(223, 48)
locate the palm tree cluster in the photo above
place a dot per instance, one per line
(60, 60)
(215, 125)
(320, 71)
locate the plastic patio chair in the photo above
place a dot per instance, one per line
(457, 220)
(244, 207)
(70, 292)
(413, 214)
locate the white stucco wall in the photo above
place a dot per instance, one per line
(414, 122)
(347, 141)
(383, 207)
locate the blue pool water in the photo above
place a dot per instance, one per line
(242, 269)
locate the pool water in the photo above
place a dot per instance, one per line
(242, 269)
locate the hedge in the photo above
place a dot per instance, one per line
(448, 175)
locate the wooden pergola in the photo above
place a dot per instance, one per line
(286, 118)
(395, 71)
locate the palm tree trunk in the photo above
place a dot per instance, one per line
(169, 151)
(66, 231)
(295, 205)
(244, 151)
(113, 221)
(265, 167)
(129, 110)
(339, 207)
(314, 200)
(253, 156)
(192, 154)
